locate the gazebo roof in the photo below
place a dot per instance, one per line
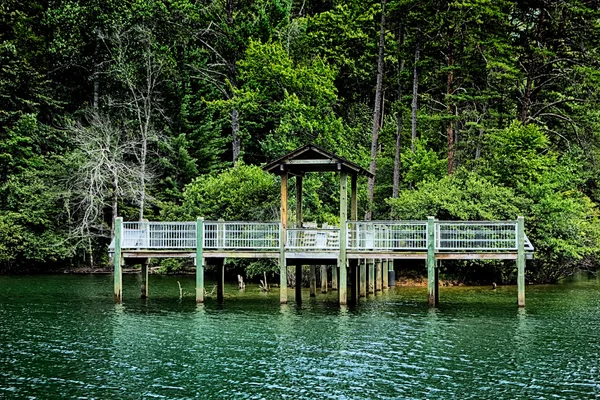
(312, 158)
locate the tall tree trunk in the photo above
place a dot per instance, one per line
(449, 106)
(376, 113)
(96, 73)
(397, 160)
(414, 98)
(235, 133)
(235, 116)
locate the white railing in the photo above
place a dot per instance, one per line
(313, 239)
(387, 235)
(241, 235)
(158, 235)
(362, 236)
(484, 236)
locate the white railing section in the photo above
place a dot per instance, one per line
(241, 235)
(362, 236)
(313, 239)
(387, 235)
(484, 236)
(158, 235)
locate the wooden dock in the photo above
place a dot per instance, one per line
(358, 251)
(367, 251)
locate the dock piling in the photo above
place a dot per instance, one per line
(363, 278)
(118, 261)
(144, 286)
(521, 261)
(199, 261)
(432, 283)
(323, 279)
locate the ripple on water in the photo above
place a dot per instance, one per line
(476, 346)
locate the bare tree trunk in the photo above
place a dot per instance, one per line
(414, 99)
(397, 160)
(115, 209)
(376, 113)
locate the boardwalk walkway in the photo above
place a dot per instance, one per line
(429, 240)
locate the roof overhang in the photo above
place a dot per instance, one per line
(312, 158)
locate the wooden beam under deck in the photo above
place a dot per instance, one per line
(325, 256)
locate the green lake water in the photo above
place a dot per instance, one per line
(61, 336)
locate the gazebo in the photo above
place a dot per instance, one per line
(308, 159)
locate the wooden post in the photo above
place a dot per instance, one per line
(220, 280)
(521, 261)
(334, 277)
(323, 279)
(384, 273)
(431, 282)
(353, 275)
(199, 260)
(342, 261)
(363, 278)
(378, 275)
(313, 281)
(282, 238)
(299, 202)
(144, 288)
(392, 274)
(353, 198)
(371, 282)
(298, 288)
(118, 261)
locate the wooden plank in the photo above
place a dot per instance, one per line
(431, 284)
(342, 260)
(199, 261)
(311, 162)
(373, 255)
(118, 261)
(475, 256)
(521, 261)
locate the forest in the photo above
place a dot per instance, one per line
(166, 110)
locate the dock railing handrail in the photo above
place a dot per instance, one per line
(450, 236)
(476, 235)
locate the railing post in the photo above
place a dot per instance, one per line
(220, 234)
(199, 260)
(432, 284)
(521, 261)
(118, 261)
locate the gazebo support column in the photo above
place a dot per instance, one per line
(282, 235)
(342, 261)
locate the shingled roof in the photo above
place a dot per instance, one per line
(312, 158)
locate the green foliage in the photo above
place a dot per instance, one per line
(242, 193)
(461, 196)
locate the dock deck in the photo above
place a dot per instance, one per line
(431, 240)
